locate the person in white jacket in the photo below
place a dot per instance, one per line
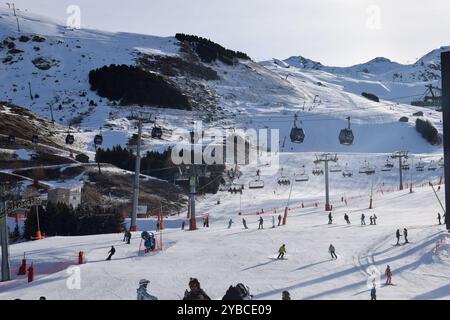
(142, 293)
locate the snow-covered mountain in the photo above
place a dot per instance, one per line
(381, 76)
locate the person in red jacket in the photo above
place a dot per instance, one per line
(388, 274)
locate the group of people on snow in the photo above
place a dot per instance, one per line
(398, 236)
(195, 292)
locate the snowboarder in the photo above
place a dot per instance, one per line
(244, 223)
(371, 220)
(405, 234)
(273, 221)
(439, 218)
(375, 219)
(397, 234)
(332, 251)
(285, 295)
(281, 252)
(330, 218)
(373, 292)
(279, 219)
(142, 293)
(195, 293)
(230, 223)
(111, 252)
(363, 219)
(347, 219)
(388, 274)
(261, 223)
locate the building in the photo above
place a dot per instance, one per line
(70, 197)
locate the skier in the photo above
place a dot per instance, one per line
(375, 219)
(285, 295)
(182, 225)
(405, 234)
(373, 293)
(397, 234)
(195, 293)
(142, 293)
(157, 226)
(439, 218)
(281, 252)
(388, 274)
(332, 251)
(261, 223)
(128, 237)
(363, 219)
(204, 222)
(346, 219)
(111, 252)
(371, 220)
(207, 221)
(279, 219)
(330, 218)
(124, 234)
(244, 223)
(230, 223)
(273, 221)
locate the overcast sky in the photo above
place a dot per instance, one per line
(334, 32)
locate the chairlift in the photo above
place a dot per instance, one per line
(405, 166)
(35, 139)
(441, 162)
(257, 183)
(11, 139)
(317, 171)
(98, 139)
(70, 139)
(388, 164)
(297, 134)
(302, 176)
(420, 166)
(156, 132)
(366, 169)
(335, 168)
(432, 166)
(346, 136)
(283, 180)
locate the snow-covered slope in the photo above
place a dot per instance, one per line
(218, 256)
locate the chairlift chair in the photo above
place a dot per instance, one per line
(317, 171)
(301, 176)
(256, 184)
(346, 136)
(98, 139)
(297, 134)
(70, 139)
(432, 166)
(156, 132)
(335, 168)
(35, 139)
(284, 180)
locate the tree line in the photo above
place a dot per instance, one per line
(62, 220)
(132, 85)
(209, 51)
(159, 165)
